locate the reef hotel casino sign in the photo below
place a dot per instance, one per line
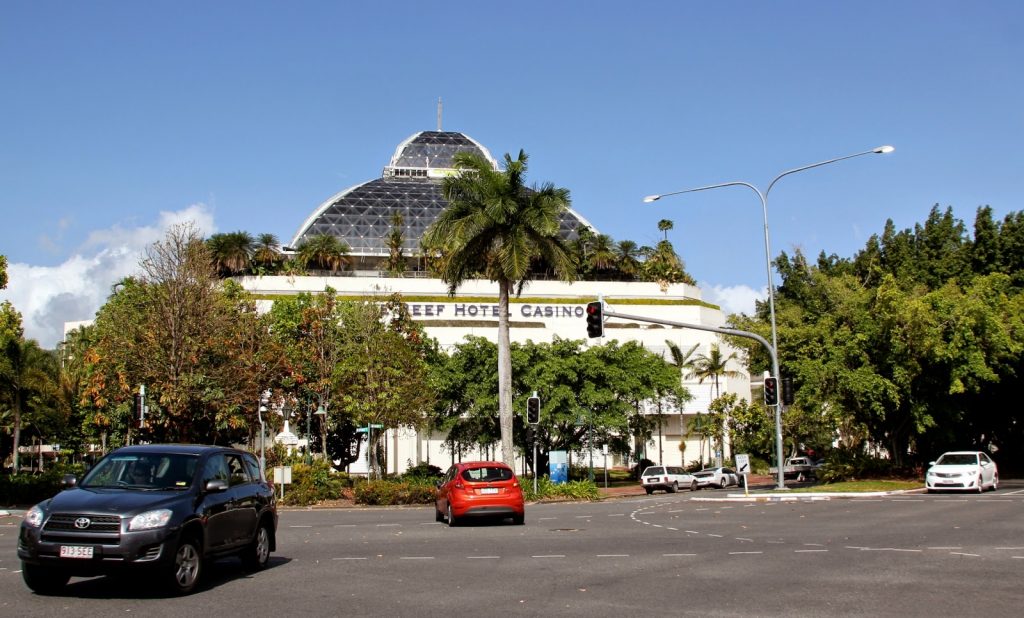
(478, 311)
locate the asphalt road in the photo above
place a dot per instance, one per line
(910, 555)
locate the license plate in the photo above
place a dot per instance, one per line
(75, 551)
(489, 490)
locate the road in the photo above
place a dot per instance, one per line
(681, 554)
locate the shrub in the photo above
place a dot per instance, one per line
(423, 471)
(387, 492)
(27, 489)
(313, 483)
(847, 465)
(574, 490)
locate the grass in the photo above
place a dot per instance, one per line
(861, 486)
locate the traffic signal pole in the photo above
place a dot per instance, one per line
(735, 333)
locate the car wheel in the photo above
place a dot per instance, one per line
(519, 520)
(648, 490)
(723, 484)
(42, 580)
(451, 517)
(675, 488)
(257, 555)
(438, 515)
(693, 485)
(981, 484)
(186, 567)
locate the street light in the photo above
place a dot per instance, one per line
(320, 411)
(768, 267)
(260, 409)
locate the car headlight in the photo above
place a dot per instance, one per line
(150, 520)
(34, 517)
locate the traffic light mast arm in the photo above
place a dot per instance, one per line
(725, 331)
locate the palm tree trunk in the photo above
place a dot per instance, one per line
(505, 374)
(17, 429)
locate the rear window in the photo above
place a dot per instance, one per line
(487, 474)
(654, 471)
(703, 474)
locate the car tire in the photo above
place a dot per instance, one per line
(675, 487)
(186, 568)
(257, 554)
(438, 515)
(648, 490)
(693, 485)
(519, 520)
(42, 580)
(452, 522)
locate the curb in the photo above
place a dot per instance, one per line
(807, 496)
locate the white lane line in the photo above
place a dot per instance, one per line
(947, 548)
(813, 545)
(959, 553)
(545, 518)
(433, 523)
(584, 516)
(869, 500)
(745, 553)
(344, 525)
(657, 525)
(776, 542)
(677, 511)
(704, 509)
(1014, 493)
(855, 547)
(906, 500)
(1008, 548)
(348, 558)
(482, 557)
(674, 555)
(671, 528)
(388, 525)
(617, 515)
(691, 532)
(1017, 557)
(739, 538)
(809, 551)
(300, 526)
(550, 556)
(717, 536)
(416, 558)
(613, 555)
(995, 500)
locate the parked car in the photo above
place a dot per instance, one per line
(962, 470)
(479, 489)
(165, 508)
(716, 477)
(668, 478)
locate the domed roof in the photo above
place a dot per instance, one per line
(361, 216)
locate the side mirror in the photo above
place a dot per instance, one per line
(69, 481)
(438, 484)
(931, 463)
(216, 486)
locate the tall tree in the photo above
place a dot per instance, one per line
(494, 226)
(27, 383)
(714, 366)
(628, 259)
(664, 226)
(3, 271)
(231, 252)
(395, 239)
(323, 252)
(266, 254)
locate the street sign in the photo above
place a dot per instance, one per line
(361, 430)
(743, 464)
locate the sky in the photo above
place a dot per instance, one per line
(121, 118)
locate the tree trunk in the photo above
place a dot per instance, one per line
(508, 454)
(17, 430)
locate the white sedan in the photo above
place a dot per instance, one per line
(717, 477)
(963, 471)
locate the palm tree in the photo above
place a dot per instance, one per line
(267, 252)
(684, 362)
(494, 226)
(323, 252)
(602, 252)
(27, 377)
(664, 226)
(628, 258)
(231, 252)
(395, 240)
(711, 367)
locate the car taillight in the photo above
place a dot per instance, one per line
(515, 483)
(459, 485)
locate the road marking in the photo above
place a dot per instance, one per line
(387, 525)
(1017, 557)
(545, 518)
(994, 500)
(300, 526)
(958, 553)
(855, 547)
(744, 553)
(906, 500)
(348, 558)
(674, 555)
(1014, 493)
(813, 545)
(416, 558)
(808, 551)
(617, 515)
(583, 516)
(550, 556)
(483, 557)
(739, 538)
(717, 536)
(613, 555)
(671, 528)
(1007, 548)
(344, 525)
(677, 510)
(691, 532)
(951, 547)
(433, 523)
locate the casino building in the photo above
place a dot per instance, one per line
(363, 216)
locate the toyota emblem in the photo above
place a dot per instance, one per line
(82, 523)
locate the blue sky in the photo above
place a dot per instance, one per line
(121, 117)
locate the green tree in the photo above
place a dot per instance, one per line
(231, 252)
(712, 367)
(266, 254)
(396, 238)
(628, 259)
(323, 252)
(3, 272)
(495, 226)
(664, 226)
(26, 380)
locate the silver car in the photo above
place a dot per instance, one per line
(669, 478)
(717, 477)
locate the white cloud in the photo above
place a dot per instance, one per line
(49, 296)
(733, 299)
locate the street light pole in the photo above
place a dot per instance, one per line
(768, 268)
(261, 407)
(320, 411)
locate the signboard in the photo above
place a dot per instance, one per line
(283, 475)
(558, 467)
(743, 464)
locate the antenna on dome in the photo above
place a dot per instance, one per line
(438, 114)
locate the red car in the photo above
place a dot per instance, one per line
(479, 489)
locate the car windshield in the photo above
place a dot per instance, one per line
(152, 471)
(958, 459)
(487, 474)
(654, 471)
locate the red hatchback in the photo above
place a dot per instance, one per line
(479, 489)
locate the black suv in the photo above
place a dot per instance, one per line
(165, 507)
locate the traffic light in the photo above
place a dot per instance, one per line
(595, 319)
(787, 391)
(137, 406)
(533, 410)
(771, 391)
